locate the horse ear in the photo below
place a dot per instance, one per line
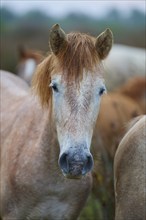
(22, 50)
(57, 39)
(104, 43)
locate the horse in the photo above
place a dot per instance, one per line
(135, 88)
(28, 61)
(115, 111)
(129, 173)
(115, 72)
(46, 161)
(124, 62)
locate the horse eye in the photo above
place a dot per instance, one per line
(101, 91)
(54, 87)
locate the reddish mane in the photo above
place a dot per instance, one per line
(79, 54)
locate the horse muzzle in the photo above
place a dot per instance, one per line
(75, 163)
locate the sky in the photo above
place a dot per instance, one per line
(62, 8)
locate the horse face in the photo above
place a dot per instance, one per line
(76, 104)
(75, 111)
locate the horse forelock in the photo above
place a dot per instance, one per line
(79, 54)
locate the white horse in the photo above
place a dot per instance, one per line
(130, 173)
(123, 62)
(36, 135)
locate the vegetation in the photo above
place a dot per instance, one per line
(31, 30)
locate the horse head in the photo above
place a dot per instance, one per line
(70, 79)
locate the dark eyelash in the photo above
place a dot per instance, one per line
(101, 91)
(54, 87)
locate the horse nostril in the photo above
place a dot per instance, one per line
(75, 165)
(88, 166)
(63, 163)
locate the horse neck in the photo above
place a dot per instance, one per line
(42, 131)
(49, 143)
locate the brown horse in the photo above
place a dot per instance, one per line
(130, 173)
(36, 133)
(115, 111)
(123, 104)
(135, 88)
(28, 61)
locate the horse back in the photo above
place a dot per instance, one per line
(13, 92)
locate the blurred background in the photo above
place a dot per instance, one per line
(27, 24)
